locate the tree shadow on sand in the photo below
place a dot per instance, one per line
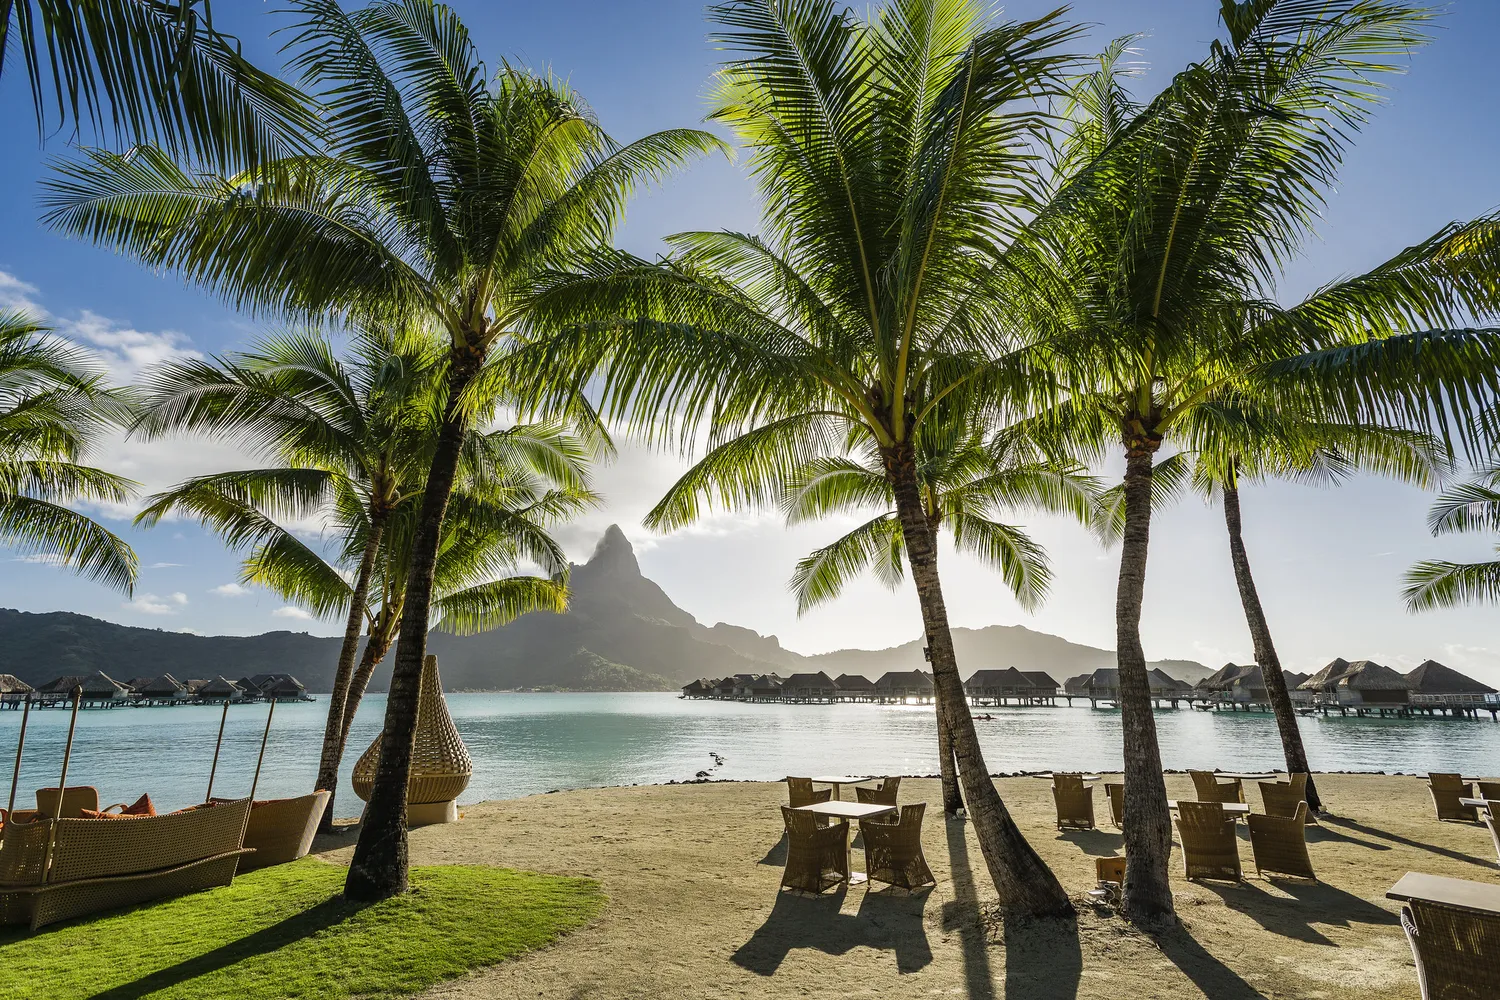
(1211, 976)
(1324, 834)
(1396, 838)
(888, 921)
(1095, 843)
(1312, 903)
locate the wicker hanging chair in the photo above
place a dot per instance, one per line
(440, 763)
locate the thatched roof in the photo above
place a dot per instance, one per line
(904, 680)
(1221, 679)
(1077, 685)
(801, 682)
(95, 685)
(1041, 680)
(988, 680)
(219, 687)
(1367, 675)
(854, 682)
(1165, 683)
(1336, 668)
(698, 686)
(1433, 677)
(1294, 680)
(164, 686)
(11, 684)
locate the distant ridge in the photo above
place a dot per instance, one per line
(621, 632)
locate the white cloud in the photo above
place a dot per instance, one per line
(179, 598)
(165, 565)
(150, 604)
(189, 631)
(288, 611)
(42, 559)
(230, 590)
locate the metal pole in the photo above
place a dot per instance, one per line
(217, 746)
(15, 778)
(263, 740)
(62, 785)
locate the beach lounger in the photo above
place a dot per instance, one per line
(1488, 789)
(1446, 790)
(1210, 848)
(1491, 805)
(1211, 789)
(282, 830)
(1280, 843)
(1075, 802)
(1281, 798)
(893, 851)
(882, 794)
(1457, 952)
(817, 856)
(1115, 791)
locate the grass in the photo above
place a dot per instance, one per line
(286, 933)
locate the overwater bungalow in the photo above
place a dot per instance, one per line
(1440, 689)
(904, 685)
(99, 690)
(724, 687)
(1043, 687)
(1361, 685)
(818, 687)
(282, 687)
(702, 687)
(163, 690)
(1103, 685)
(998, 687)
(13, 691)
(761, 687)
(855, 687)
(1236, 686)
(219, 689)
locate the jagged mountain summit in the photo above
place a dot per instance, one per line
(622, 632)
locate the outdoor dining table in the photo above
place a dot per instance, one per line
(838, 780)
(1474, 803)
(1048, 776)
(1247, 775)
(1230, 808)
(854, 812)
(1457, 893)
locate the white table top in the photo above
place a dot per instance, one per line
(1246, 775)
(1230, 808)
(1461, 894)
(841, 779)
(847, 810)
(1050, 775)
(1474, 803)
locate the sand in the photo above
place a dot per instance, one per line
(692, 875)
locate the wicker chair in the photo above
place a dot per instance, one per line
(1110, 869)
(1446, 790)
(893, 851)
(883, 794)
(1075, 802)
(1491, 805)
(1211, 789)
(282, 830)
(1210, 848)
(1280, 844)
(800, 792)
(1281, 798)
(75, 799)
(817, 856)
(440, 763)
(1457, 952)
(1115, 792)
(1489, 789)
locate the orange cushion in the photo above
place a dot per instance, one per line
(101, 814)
(141, 807)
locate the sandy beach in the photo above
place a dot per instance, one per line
(692, 875)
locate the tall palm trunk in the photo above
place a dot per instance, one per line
(376, 647)
(1148, 823)
(1026, 885)
(379, 868)
(953, 800)
(1265, 650)
(333, 730)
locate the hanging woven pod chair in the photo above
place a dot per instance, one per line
(440, 763)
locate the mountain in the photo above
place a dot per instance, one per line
(621, 632)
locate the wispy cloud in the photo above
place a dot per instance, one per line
(161, 565)
(150, 604)
(229, 590)
(288, 611)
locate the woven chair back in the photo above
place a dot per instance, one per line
(1209, 846)
(1279, 843)
(1074, 800)
(800, 792)
(440, 763)
(95, 848)
(1457, 952)
(1281, 798)
(1110, 870)
(1446, 790)
(1492, 810)
(893, 851)
(75, 799)
(1211, 789)
(1446, 781)
(817, 853)
(1489, 789)
(1116, 792)
(23, 853)
(884, 795)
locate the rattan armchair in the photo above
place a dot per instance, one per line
(1075, 802)
(1211, 789)
(800, 792)
(893, 851)
(75, 799)
(1280, 844)
(1281, 798)
(1489, 789)
(1115, 791)
(1491, 805)
(1457, 952)
(883, 794)
(1446, 790)
(1210, 848)
(817, 857)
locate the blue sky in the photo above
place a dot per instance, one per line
(1329, 561)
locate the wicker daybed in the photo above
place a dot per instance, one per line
(282, 830)
(104, 864)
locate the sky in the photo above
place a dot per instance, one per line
(1328, 561)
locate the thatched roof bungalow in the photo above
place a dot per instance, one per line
(700, 688)
(901, 685)
(97, 686)
(1042, 684)
(220, 689)
(1246, 685)
(284, 687)
(855, 687)
(809, 687)
(998, 685)
(1078, 686)
(11, 684)
(160, 688)
(1434, 681)
(1361, 683)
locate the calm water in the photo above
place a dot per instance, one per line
(528, 743)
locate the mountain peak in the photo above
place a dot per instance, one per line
(613, 556)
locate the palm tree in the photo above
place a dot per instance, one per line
(1441, 583)
(352, 441)
(54, 405)
(1145, 284)
(442, 195)
(966, 483)
(153, 71)
(890, 156)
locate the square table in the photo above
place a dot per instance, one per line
(1457, 893)
(836, 780)
(851, 811)
(1247, 775)
(1230, 808)
(1475, 803)
(1049, 776)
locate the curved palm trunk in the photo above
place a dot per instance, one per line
(333, 730)
(375, 650)
(953, 800)
(1026, 885)
(1265, 651)
(379, 868)
(1148, 823)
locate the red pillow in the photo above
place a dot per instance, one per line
(141, 807)
(100, 814)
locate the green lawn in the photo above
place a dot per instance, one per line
(283, 932)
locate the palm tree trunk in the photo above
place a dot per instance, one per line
(1025, 884)
(1265, 650)
(379, 868)
(333, 743)
(375, 649)
(953, 800)
(1148, 823)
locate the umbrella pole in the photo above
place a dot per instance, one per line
(266, 736)
(15, 778)
(217, 747)
(62, 784)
